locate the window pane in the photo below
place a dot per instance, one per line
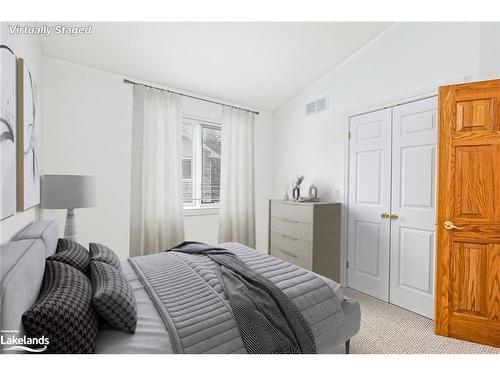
(210, 181)
(187, 163)
(186, 169)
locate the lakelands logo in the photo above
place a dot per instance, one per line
(45, 30)
(10, 341)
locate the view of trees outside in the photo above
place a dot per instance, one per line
(187, 163)
(210, 185)
(209, 170)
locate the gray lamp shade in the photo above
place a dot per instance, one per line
(68, 191)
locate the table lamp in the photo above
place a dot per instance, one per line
(68, 192)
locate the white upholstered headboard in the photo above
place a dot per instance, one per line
(22, 264)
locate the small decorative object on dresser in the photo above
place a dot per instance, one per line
(286, 196)
(307, 235)
(313, 192)
(296, 188)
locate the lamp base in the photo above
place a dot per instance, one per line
(70, 228)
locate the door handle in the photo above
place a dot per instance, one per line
(394, 216)
(448, 225)
(385, 215)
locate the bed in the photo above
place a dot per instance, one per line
(198, 321)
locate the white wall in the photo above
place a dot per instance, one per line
(263, 176)
(27, 47)
(406, 59)
(489, 50)
(88, 116)
(88, 131)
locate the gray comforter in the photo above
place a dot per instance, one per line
(268, 321)
(190, 300)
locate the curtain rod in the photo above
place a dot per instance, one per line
(128, 81)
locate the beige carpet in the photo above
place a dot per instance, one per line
(388, 329)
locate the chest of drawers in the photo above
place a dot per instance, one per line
(307, 235)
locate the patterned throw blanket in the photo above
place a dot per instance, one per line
(267, 320)
(188, 293)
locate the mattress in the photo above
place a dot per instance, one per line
(153, 335)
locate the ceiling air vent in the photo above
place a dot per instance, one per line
(320, 105)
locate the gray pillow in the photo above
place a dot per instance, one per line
(104, 254)
(72, 253)
(113, 297)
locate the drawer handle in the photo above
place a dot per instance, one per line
(290, 221)
(289, 254)
(290, 237)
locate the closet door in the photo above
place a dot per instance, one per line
(369, 203)
(413, 207)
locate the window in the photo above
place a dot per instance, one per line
(201, 150)
(187, 163)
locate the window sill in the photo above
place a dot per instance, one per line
(196, 211)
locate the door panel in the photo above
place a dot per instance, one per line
(368, 175)
(416, 260)
(468, 261)
(367, 249)
(369, 197)
(477, 115)
(414, 129)
(468, 256)
(417, 184)
(474, 186)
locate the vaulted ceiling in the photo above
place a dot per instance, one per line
(260, 65)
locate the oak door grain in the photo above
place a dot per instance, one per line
(468, 257)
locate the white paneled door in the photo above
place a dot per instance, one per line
(392, 200)
(413, 208)
(369, 203)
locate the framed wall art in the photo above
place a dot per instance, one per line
(8, 132)
(29, 139)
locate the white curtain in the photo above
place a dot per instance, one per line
(237, 197)
(156, 213)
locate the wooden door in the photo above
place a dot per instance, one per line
(468, 252)
(413, 207)
(369, 203)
